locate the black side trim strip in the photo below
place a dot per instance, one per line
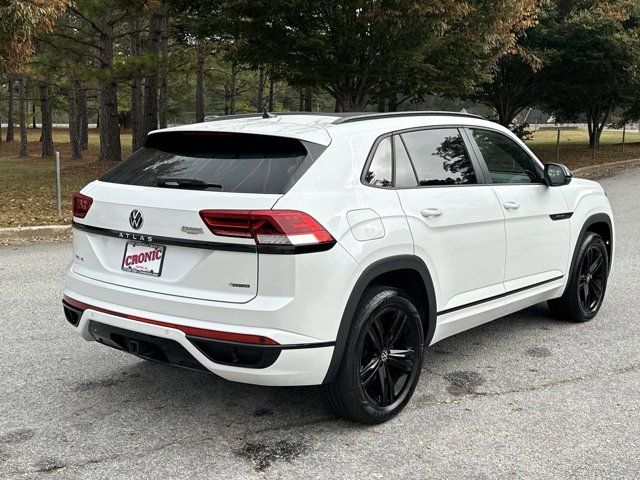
(185, 242)
(496, 297)
(561, 216)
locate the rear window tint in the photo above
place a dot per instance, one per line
(229, 162)
(380, 169)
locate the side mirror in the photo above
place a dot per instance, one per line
(556, 175)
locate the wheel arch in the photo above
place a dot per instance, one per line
(601, 224)
(386, 272)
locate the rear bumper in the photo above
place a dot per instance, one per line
(299, 306)
(165, 342)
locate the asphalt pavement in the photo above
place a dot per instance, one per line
(525, 396)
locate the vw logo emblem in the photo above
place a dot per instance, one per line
(135, 219)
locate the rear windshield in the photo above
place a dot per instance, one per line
(224, 162)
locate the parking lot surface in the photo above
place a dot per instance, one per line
(525, 396)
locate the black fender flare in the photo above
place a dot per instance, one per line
(387, 265)
(592, 220)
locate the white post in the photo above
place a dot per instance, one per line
(58, 188)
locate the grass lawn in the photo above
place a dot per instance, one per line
(27, 185)
(575, 151)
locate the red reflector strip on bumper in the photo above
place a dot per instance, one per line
(196, 332)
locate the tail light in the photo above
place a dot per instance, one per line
(270, 228)
(81, 205)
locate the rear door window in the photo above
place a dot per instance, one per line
(405, 174)
(439, 157)
(225, 162)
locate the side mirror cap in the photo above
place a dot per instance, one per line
(556, 175)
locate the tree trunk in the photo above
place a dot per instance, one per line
(260, 91)
(227, 95)
(506, 111)
(597, 119)
(10, 119)
(163, 99)
(46, 136)
(83, 116)
(300, 100)
(74, 137)
(151, 80)
(200, 84)
(392, 104)
(271, 93)
(137, 135)
(308, 100)
(233, 88)
(109, 126)
(349, 103)
(108, 99)
(23, 118)
(352, 95)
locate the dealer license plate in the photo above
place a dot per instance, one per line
(143, 258)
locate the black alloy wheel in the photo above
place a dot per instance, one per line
(388, 357)
(382, 360)
(587, 284)
(591, 280)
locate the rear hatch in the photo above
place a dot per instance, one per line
(139, 226)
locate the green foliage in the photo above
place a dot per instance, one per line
(580, 60)
(593, 58)
(358, 50)
(522, 131)
(20, 21)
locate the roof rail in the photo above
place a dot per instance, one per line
(346, 117)
(234, 117)
(360, 117)
(278, 114)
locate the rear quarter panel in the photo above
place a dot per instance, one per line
(332, 193)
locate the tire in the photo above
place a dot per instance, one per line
(586, 288)
(385, 318)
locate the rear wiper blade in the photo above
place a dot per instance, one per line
(173, 182)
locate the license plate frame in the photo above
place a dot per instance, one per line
(142, 248)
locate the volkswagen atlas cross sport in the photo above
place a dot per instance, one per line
(331, 249)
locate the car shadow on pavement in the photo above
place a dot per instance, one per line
(192, 398)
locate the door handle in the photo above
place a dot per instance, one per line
(431, 212)
(511, 205)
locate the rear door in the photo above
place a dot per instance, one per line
(456, 221)
(537, 241)
(143, 229)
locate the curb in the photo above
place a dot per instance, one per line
(42, 232)
(605, 169)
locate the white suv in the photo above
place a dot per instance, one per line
(310, 249)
